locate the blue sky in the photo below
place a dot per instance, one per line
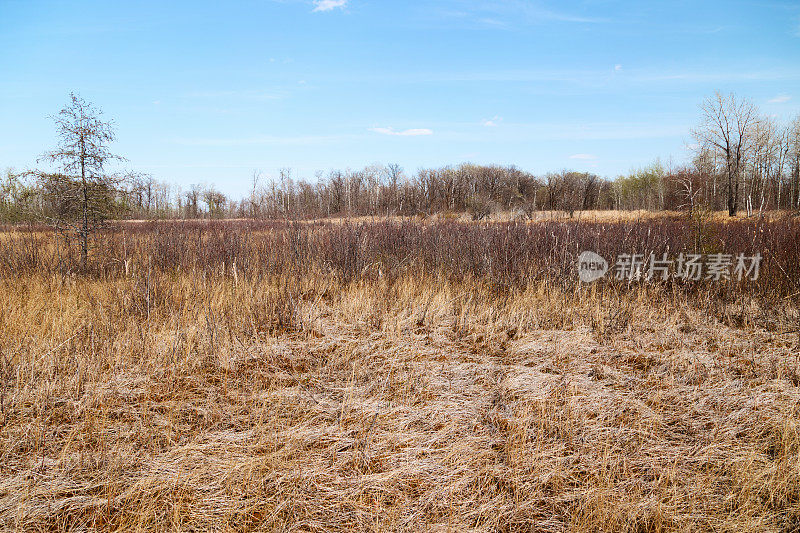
(207, 92)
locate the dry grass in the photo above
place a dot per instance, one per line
(207, 399)
(600, 215)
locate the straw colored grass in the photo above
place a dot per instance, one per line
(189, 401)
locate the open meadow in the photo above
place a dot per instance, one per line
(397, 375)
(322, 266)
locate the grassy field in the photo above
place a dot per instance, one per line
(437, 375)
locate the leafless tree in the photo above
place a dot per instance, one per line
(793, 157)
(726, 127)
(254, 203)
(687, 190)
(590, 190)
(216, 202)
(82, 193)
(193, 201)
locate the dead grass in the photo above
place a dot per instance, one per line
(202, 400)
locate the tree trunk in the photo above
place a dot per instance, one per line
(731, 204)
(85, 226)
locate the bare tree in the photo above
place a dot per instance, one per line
(16, 196)
(726, 126)
(394, 174)
(590, 190)
(82, 193)
(253, 202)
(193, 201)
(793, 157)
(687, 189)
(216, 202)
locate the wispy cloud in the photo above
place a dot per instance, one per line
(744, 75)
(492, 122)
(583, 157)
(583, 78)
(565, 17)
(617, 68)
(509, 13)
(491, 22)
(263, 140)
(781, 98)
(328, 5)
(246, 94)
(414, 132)
(588, 131)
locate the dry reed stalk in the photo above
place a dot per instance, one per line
(393, 399)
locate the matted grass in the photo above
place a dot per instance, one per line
(284, 385)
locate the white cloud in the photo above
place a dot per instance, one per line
(781, 98)
(328, 5)
(585, 78)
(244, 94)
(414, 132)
(264, 140)
(492, 122)
(520, 11)
(617, 68)
(583, 157)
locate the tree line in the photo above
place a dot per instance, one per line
(742, 161)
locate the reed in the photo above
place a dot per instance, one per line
(396, 375)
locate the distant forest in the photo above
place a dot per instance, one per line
(742, 161)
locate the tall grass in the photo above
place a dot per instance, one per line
(505, 254)
(395, 376)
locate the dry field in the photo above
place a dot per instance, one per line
(389, 376)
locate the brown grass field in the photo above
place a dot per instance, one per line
(396, 376)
